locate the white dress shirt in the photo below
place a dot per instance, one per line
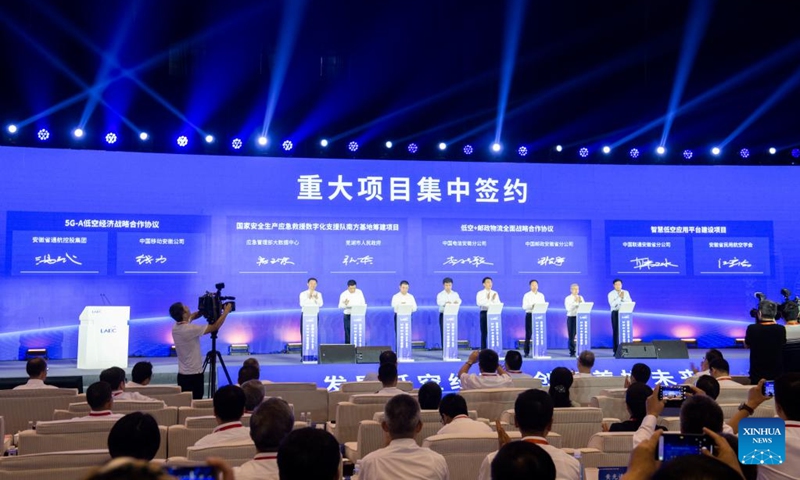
(443, 298)
(226, 434)
(404, 299)
(100, 415)
(567, 466)
(530, 299)
(403, 458)
(694, 378)
(571, 305)
(135, 385)
(186, 337)
(33, 383)
(791, 464)
(472, 381)
(355, 298)
(648, 427)
(464, 424)
(518, 374)
(727, 382)
(484, 298)
(614, 300)
(316, 299)
(132, 396)
(264, 466)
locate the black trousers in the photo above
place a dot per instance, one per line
(615, 328)
(192, 383)
(572, 323)
(441, 328)
(347, 328)
(528, 332)
(395, 326)
(484, 329)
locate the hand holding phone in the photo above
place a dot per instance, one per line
(673, 445)
(768, 388)
(192, 472)
(673, 394)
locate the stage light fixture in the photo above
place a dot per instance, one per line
(796, 152)
(389, 144)
(322, 143)
(43, 134)
(744, 153)
(522, 151)
(239, 349)
(143, 136)
(606, 149)
(559, 148)
(287, 145)
(35, 352)
(412, 148)
(183, 140)
(716, 151)
(687, 154)
(773, 151)
(12, 129)
(583, 152)
(468, 149)
(496, 147)
(77, 133)
(111, 138)
(352, 146)
(442, 146)
(634, 153)
(661, 150)
(237, 143)
(262, 141)
(209, 139)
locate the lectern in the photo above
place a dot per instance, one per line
(310, 334)
(358, 325)
(450, 327)
(539, 327)
(404, 333)
(103, 337)
(583, 330)
(494, 327)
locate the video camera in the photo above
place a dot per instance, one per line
(788, 309)
(211, 304)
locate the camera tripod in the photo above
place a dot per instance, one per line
(211, 360)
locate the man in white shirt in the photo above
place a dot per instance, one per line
(513, 365)
(348, 298)
(571, 305)
(187, 345)
(528, 301)
(100, 401)
(448, 296)
(115, 377)
(141, 375)
(403, 458)
(37, 373)
(228, 409)
(491, 374)
(455, 417)
(387, 374)
(585, 364)
(533, 415)
(617, 297)
(309, 453)
(707, 358)
(720, 369)
(309, 298)
(484, 298)
(402, 298)
(271, 422)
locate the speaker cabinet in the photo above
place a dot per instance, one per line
(671, 349)
(370, 354)
(636, 350)
(335, 353)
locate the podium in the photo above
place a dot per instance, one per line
(403, 333)
(539, 330)
(103, 337)
(310, 334)
(626, 322)
(450, 333)
(583, 327)
(358, 325)
(494, 327)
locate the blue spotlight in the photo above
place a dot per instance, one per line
(687, 154)
(442, 146)
(262, 141)
(143, 136)
(183, 140)
(209, 139)
(78, 132)
(606, 149)
(496, 147)
(287, 145)
(559, 148)
(716, 151)
(111, 138)
(468, 150)
(43, 134)
(237, 143)
(412, 148)
(389, 144)
(634, 153)
(352, 146)
(322, 143)
(773, 151)
(796, 152)
(583, 152)
(661, 150)
(522, 151)
(744, 153)
(12, 129)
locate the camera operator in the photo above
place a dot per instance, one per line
(766, 340)
(187, 345)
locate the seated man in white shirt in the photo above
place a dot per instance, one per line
(228, 408)
(386, 356)
(533, 415)
(387, 374)
(254, 393)
(491, 374)
(429, 396)
(720, 369)
(585, 364)
(135, 435)
(37, 373)
(309, 453)
(513, 365)
(455, 417)
(100, 401)
(272, 421)
(115, 377)
(704, 370)
(402, 458)
(141, 375)
(523, 460)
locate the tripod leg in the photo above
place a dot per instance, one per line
(224, 368)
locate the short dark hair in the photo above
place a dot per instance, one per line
(700, 411)
(113, 376)
(513, 360)
(531, 282)
(488, 360)
(430, 394)
(533, 411)
(560, 381)
(134, 435)
(522, 461)
(351, 283)
(311, 278)
(720, 364)
(98, 395)
(453, 405)
(616, 280)
(403, 282)
(447, 280)
(709, 385)
(35, 366)
(696, 467)
(787, 395)
(485, 278)
(141, 372)
(387, 373)
(309, 453)
(636, 399)
(790, 311)
(387, 356)
(768, 309)
(254, 392)
(713, 353)
(640, 372)
(586, 358)
(248, 372)
(270, 423)
(253, 362)
(176, 311)
(229, 403)
(402, 416)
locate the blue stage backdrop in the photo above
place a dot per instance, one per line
(691, 243)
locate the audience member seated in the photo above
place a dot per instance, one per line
(766, 340)
(228, 408)
(247, 373)
(402, 458)
(560, 381)
(254, 393)
(115, 377)
(269, 425)
(636, 403)
(100, 401)
(37, 373)
(697, 412)
(491, 374)
(640, 373)
(430, 394)
(386, 356)
(141, 374)
(126, 468)
(309, 453)
(585, 364)
(134, 435)
(704, 369)
(523, 461)
(455, 417)
(513, 365)
(387, 374)
(533, 416)
(709, 385)
(720, 369)
(252, 362)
